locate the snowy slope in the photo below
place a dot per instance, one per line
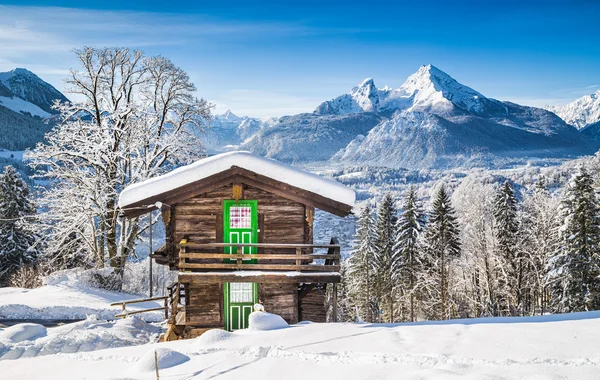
(581, 112)
(592, 130)
(30, 340)
(67, 296)
(428, 89)
(547, 348)
(19, 105)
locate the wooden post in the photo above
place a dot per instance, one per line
(166, 308)
(150, 254)
(156, 364)
(334, 301)
(240, 250)
(298, 253)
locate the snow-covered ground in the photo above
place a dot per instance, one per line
(67, 296)
(552, 347)
(14, 154)
(29, 339)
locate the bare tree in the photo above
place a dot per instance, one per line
(137, 117)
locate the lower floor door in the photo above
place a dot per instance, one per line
(240, 298)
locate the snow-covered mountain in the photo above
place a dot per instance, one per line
(25, 108)
(427, 90)
(430, 121)
(581, 112)
(25, 87)
(310, 137)
(227, 131)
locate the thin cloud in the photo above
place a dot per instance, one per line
(263, 103)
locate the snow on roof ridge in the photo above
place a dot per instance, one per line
(215, 164)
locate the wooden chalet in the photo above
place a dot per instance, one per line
(239, 230)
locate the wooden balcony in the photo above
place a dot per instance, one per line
(195, 257)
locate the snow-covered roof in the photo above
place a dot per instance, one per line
(216, 164)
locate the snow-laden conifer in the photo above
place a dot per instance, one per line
(360, 267)
(442, 246)
(406, 263)
(575, 270)
(386, 288)
(17, 240)
(510, 278)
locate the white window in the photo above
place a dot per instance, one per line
(241, 292)
(240, 217)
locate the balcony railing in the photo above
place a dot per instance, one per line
(293, 257)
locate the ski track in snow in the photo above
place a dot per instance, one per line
(350, 357)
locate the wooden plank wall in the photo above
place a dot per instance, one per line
(312, 306)
(204, 306)
(281, 299)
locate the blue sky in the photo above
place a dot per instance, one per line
(282, 57)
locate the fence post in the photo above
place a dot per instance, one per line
(150, 255)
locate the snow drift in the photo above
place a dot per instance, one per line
(165, 357)
(263, 321)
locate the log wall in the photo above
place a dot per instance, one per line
(204, 305)
(281, 299)
(312, 306)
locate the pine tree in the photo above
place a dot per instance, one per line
(16, 239)
(510, 281)
(386, 289)
(442, 244)
(361, 266)
(576, 268)
(406, 249)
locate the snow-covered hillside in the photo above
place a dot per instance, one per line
(68, 295)
(581, 112)
(19, 105)
(548, 348)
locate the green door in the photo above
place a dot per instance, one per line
(240, 221)
(240, 225)
(240, 298)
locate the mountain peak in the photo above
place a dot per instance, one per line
(228, 114)
(367, 83)
(580, 112)
(26, 85)
(432, 88)
(23, 71)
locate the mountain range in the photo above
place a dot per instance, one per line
(431, 121)
(581, 112)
